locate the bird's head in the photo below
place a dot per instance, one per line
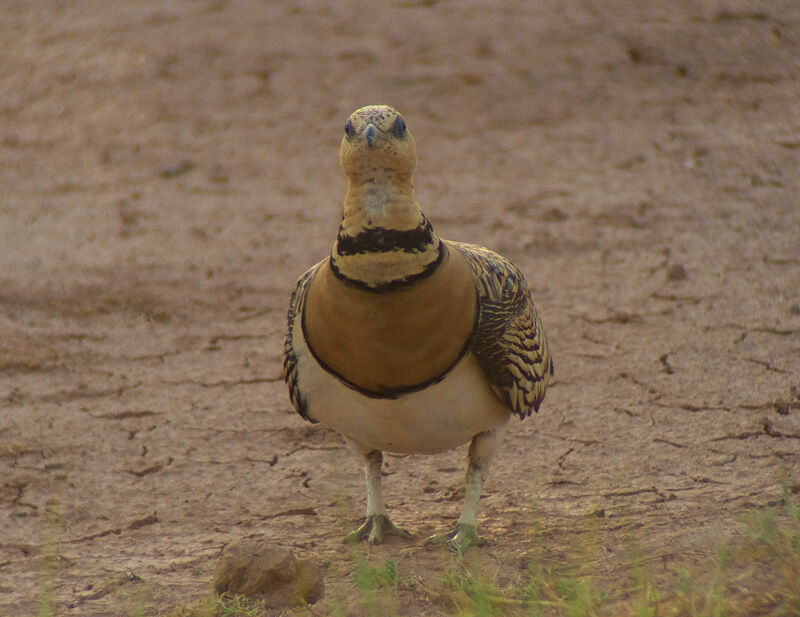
(377, 142)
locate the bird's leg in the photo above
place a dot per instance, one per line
(481, 452)
(378, 522)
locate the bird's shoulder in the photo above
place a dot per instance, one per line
(296, 304)
(509, 341)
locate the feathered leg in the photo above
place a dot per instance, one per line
(481, 452)
(378, 522)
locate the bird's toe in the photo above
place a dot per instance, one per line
(374, 529)
(460, 539)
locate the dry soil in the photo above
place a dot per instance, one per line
(167, 170)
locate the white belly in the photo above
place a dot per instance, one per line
(438, 418)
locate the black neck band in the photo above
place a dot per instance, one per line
(394, 284)
(381, 240)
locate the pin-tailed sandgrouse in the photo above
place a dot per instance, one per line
(404, 342)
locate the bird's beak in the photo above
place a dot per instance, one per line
(371, 135)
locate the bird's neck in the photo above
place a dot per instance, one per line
(384, 241)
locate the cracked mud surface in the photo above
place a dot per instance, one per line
(169, 169)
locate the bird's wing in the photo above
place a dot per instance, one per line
(294, 321)
(509, 342)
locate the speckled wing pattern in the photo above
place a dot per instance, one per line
(296, 305)
(509, 342)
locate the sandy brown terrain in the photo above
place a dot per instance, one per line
(167, 170)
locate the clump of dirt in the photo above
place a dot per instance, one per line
(265, 571)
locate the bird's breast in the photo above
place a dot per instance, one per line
(397, 340)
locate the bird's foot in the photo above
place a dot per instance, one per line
(374, 528)
(460, 539)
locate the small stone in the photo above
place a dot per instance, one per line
(782, 407)
(554, 215)
(794, 309)
(676, 272)
(178, 170)
(265, 571)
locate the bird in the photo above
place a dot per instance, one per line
(404, 342)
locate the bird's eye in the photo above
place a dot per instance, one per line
(349, 129)
(399, 127)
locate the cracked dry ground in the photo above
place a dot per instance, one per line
(169, 169)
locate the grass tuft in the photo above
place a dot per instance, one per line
(370, 578)
(52, 541)
(225, 605)
(377, 586)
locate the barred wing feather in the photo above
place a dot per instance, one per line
(296, 305)
(509, 342)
